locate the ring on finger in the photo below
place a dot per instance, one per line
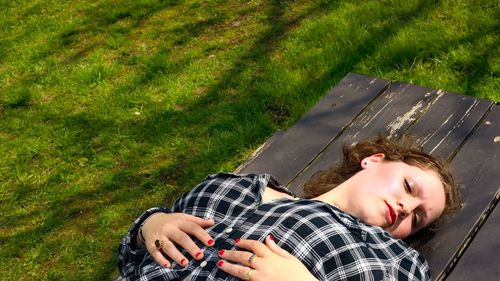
(158, 243)
(250, 259)
(248, 276)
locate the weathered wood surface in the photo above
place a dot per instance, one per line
(477, 166)
(391, 114)
(448, 122)
(291, 152)
(441, 131)
(448, 125)
(476, 263)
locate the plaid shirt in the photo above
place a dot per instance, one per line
(332, 244)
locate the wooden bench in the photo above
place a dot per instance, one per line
(463, 129)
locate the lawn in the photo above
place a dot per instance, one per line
(110, 107)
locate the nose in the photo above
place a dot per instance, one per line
(404, 207)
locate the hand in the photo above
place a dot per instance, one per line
(270, 263)
(175, 228)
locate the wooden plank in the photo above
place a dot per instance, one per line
(285, 157)
(481, 261)
(391, 113)
(448, 122)
(476, 165)
(261, 149)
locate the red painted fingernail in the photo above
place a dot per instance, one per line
(220, 263)
(183, 261)
(221, 252)
(210, 242)
(237, 240)
(271, 237)
(165, 265)
(198, 255)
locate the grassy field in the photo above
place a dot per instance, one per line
(110, 107)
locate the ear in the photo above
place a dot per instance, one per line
(372, 159)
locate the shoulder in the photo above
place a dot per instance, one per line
(224, 180)
(246, 179)
(406, 262)
(223, 186)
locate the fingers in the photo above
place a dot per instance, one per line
(175, 229)
(183, 240)
(168, 247)
(196, 229)
(239, 271)
(275, 248)
(200, 221)
(254, 246)
(242, 257)
(158, 256)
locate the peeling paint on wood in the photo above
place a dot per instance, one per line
(413, 113)
(407, 118)
(457, 125)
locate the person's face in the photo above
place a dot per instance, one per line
(398, 197)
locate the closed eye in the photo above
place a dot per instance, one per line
(415, 221)
(408, 187)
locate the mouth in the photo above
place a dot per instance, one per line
(390, 214)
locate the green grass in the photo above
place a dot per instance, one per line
(110, 107)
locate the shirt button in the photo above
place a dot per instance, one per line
(228, 230)
(203, 264)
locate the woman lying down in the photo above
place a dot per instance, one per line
(349, 226)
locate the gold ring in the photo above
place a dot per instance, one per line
(158, 243)
(250, 259)
(248, 276)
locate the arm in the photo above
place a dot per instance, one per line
(168, 226)
(172, 229)
(270, 262)
(160, 223)
(129, 253)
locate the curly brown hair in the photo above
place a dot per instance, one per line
(404, 150)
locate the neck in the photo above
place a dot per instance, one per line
(331, 197)
(336, 197)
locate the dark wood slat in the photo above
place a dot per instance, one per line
(277, 135)
(285, 157)
(481, 261)
(476, 165)
(448, 122)
(391, 113)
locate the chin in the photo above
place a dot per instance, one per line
(399, 235)
(374, 223)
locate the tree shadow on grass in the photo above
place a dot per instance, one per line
(72, 208)
(471, 71)
(100, 22)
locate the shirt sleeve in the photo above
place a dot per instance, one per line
(129, 257)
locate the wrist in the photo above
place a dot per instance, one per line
(140, 235)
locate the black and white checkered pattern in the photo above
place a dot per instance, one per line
(332, 244)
